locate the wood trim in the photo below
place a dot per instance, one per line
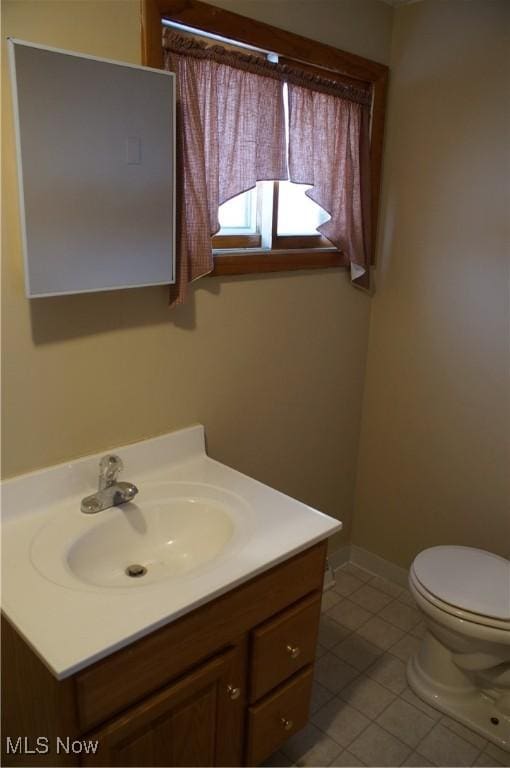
(287, 242)
(330, 74)
(237, 241)
(195, 13)
(379, 91)
(272, 261)
(150, 22)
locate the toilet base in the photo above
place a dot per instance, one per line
(470, 707)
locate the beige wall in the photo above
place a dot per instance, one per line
(273, 366)
(434, 463)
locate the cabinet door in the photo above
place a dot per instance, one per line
(179, 725)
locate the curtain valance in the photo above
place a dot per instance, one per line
(232, 133)
(188, 46)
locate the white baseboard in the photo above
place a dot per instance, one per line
(378, 565)
(340, 557)
(334, 561)
(363, 559)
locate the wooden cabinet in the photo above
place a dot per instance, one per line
(284, 645)
(225, 685)
(178, 725)
(278, 716)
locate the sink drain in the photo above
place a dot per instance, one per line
(135, 570)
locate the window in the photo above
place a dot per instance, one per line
(257, 233)
(274, 215)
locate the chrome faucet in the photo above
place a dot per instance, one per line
(110, 491)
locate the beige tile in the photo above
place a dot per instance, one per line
(465, 733)
(498, 754)
(367, 696)
(400, 615)
(320, 696)
(419, 630)
(320, 651)
(416, 760)
(348, 614)
(369, 598)
(329, 599)
(310, 747)
(406, 722)
(388, 587)
(340, 721)
(486, 761)
(346, 759)
(345, 583)
(277, 760)
(380, 633)
(355, 570)
(411, 698)
(445, 748)
(357, 651)
(390, 672)
(331, 632)
(407, 598)
(333, 673)
(405, 647)
(377, 747)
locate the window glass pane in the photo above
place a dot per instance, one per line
(239, 215)
(297, 214)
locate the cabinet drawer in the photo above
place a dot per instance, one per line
(278, 716)
(284, 645)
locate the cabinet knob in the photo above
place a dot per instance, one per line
(233, 692)
(293, 651)
(287, 724)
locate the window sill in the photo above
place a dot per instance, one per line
(257, 260)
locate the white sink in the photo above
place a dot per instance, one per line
(200, 528)
(172, 531)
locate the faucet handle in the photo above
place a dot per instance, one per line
(109, 467)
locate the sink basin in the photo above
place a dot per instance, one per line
(173, 531)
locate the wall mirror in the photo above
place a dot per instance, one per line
(96, 171)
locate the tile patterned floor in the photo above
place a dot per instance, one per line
(363, 712)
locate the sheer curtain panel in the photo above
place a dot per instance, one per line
(329, 149)
(231, 134)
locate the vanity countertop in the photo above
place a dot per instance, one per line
(71, 623)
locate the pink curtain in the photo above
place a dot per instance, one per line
(329, 148)
(231, 134)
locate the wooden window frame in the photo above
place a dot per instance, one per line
(347, 67)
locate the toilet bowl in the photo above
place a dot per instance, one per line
(463, 664)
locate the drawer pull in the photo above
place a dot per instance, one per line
(294, 651)
(287, 724)
(233, 692)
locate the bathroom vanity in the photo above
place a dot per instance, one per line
(225, 685)
(206, 666)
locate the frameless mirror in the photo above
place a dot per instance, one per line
(96, 169)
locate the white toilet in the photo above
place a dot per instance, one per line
(463, 664)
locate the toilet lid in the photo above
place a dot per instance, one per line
(470, 579)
